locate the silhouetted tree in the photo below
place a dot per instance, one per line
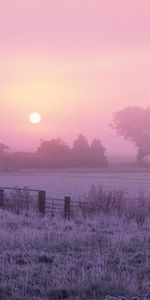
(81, 143)
(3, 157)
(55, 152)
(3, 148)
(88, 155)
(97, 154)
(133, 123)
(81, 151)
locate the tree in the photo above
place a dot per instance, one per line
(81, 144)
(85, 155)
(133, 124)
(3, 148)
(97, 154)
(3, 157)
(55, 152)
(80, 152)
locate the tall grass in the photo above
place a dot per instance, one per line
(115, 203)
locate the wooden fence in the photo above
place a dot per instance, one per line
(18, 199)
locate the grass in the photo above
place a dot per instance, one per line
(115, 203)
(84, 258)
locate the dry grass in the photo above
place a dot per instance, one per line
(115, 203)
(79, 259)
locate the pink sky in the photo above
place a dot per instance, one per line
(75, 62)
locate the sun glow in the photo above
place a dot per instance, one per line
(35, 118)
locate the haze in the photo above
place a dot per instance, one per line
(74, 62)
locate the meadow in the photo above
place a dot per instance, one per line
(75, 182)
(103, 251)
(98, 253)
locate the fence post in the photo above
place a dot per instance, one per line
(1, 198)
(67, 207)
(42, 202)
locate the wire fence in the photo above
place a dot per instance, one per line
(24, 199)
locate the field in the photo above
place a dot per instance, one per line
(75, 182)
(102, 251)
(89, 258)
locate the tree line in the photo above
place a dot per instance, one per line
(132, 123)
(57, 153)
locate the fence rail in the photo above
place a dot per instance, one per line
(18, 199)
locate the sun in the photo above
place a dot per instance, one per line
(35, 118)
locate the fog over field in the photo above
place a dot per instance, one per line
(75, 182)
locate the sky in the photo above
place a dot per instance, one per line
(75, 62)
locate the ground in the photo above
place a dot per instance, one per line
(84, 258)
